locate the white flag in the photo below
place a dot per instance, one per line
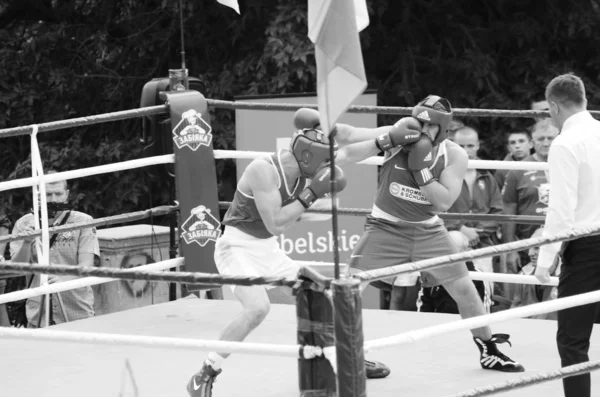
(231, 3)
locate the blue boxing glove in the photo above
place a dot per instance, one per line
(306, 118)
(420, 158)
(406, 131)
(320, 186)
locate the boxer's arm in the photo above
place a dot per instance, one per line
(356, 152)
(263, 181)
(443, 193)
(347, 134)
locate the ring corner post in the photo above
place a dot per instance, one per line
(350, 356)
(195, 180)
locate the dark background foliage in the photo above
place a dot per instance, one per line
(69, 59)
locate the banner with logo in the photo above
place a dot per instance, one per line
(196, 181)
(312, 239)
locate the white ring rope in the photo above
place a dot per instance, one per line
(480, 276)
(378, 160)
(82, 282)
(526, 381)
(484, 320)
(83, 172)
(229, 154)
(160, 342)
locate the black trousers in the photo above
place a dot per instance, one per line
(580, 273)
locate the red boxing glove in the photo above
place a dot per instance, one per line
(306, 118)
(406, 131)
(420, 158)
(320, 186)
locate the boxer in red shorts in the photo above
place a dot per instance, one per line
(421, 176)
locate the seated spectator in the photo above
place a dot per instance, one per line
(78, 247)
(519, 145)
(437, 300)
(527, 294)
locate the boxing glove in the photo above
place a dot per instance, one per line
(420, 158)
(320, 186)
(406, 131)
(306, 118)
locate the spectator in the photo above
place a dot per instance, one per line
(4, 230)
(479, 195)
(519, 146)
(79, 247)
(437, 299)
(527, 294)
(526, 193)
(539, 104)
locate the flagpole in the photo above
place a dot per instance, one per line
(334, 223)
(183, 69)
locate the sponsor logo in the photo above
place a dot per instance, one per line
(408, 193)
(428, 157)
(399, 168)
(201, 227)
(192, 131)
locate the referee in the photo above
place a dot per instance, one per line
(574, 176)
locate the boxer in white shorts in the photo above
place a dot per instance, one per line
(271, 196)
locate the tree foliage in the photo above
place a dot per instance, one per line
(69, 59)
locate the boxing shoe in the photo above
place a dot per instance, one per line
(376, 370)
(201, 383)
(492, 358)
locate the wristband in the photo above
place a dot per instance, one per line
(423, 177)
(383, 142)
(307, 198)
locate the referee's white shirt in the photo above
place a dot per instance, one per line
(574, 175)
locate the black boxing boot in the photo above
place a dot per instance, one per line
(376, 370)
(492, 358)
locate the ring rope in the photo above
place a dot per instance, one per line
(378, 160)
(502, 218)
(399, 110)
(162, 109)
(109, 220)
(392, 271)
(84, 121)
(297, 351)
(167, 209)
(208, 279)
(565, 372)
(484, 320)
(83, 172)
(81, 282)
(475, 275)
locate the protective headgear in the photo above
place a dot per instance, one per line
(311, 150)
(435, 110)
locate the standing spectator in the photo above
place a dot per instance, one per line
(574, 172)
(539, 104)
(519, 146)
(4, 230)
(77, 247)
(528, 294)
(479, 194)
(526, 193)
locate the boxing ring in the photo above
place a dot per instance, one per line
(153, 350)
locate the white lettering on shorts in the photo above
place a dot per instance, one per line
(408, 193)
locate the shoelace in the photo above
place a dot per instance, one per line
(501, 338)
